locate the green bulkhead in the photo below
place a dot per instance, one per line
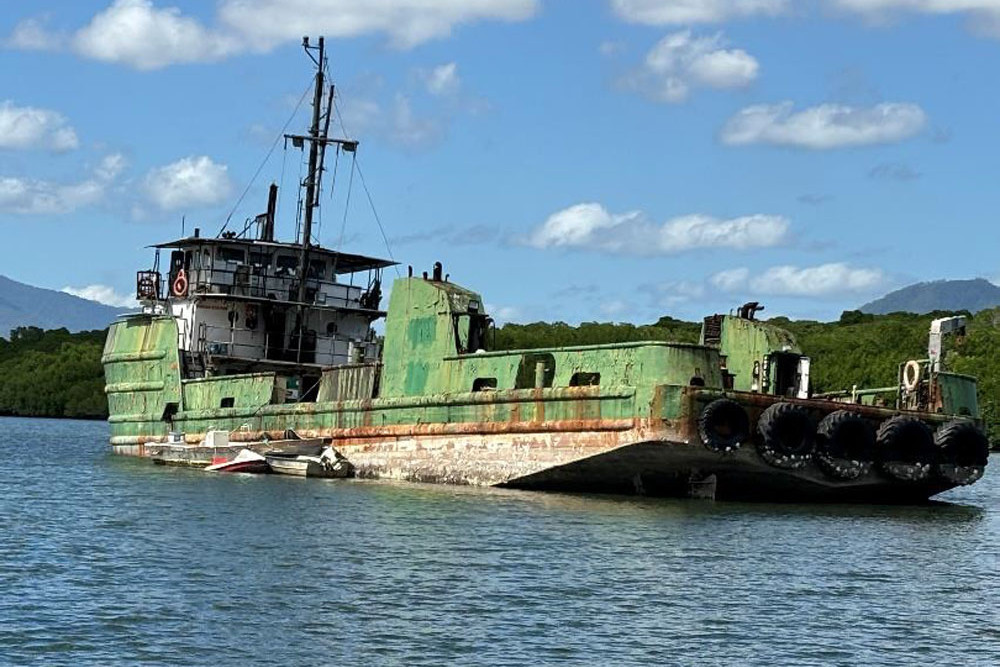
(428, 321)
(958, 394)
(142, 375)
(436, 368)
(759, 357)
(437, 340)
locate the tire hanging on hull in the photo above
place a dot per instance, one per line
(787, 436)
(963, 451)
(723, 426)
(906, 449)
(845, 445)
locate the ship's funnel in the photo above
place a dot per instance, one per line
(267, 232)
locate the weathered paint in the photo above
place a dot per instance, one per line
(445, 413)
(142, 374)
(747, 345)
(957, 394)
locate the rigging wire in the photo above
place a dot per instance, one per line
(381, 229)
(356, 163)
(333, 180)
(347, 203)
(267, 157)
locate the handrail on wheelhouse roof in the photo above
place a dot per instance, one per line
(346, 262)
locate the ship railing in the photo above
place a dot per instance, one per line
(257, 345)
(247, 280)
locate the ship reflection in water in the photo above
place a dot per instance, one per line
(111, 560)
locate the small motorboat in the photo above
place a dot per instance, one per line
(329, 463)
(246, 461)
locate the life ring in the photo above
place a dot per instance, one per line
(963, 450)
(911, 375)
(723, 426)
(906, 449)
(180, 286)
(788, 436)
(845, 445)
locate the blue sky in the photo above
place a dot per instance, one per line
(574, 160)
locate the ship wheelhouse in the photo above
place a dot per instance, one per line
(240, 305)
(246, 304)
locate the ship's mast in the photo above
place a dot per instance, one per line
(318, 139)
(315, 165)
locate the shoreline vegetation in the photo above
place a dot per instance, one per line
(56, 373)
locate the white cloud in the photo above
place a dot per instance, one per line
(731, 280)
(407, 22)
(442, 80)
(360, 114)
(824, 280)
(398, 124)
(31, 35)
(983, 15)
(139, 34)
(592, 227)
(883, 7)
(135, 33)
(110, 167)
(191, 181)
(28, 127)
(673, 293)
(408, 130)
(26, 196)
(686, 12)
(504, 314)
(103, 294)
(681, 61)
(824, 126)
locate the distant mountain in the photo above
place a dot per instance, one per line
(971, 295)
(23, 305)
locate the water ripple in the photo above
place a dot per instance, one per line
(105, 560)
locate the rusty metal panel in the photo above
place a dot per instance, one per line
(348, 383)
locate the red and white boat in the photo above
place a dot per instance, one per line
(246, 461)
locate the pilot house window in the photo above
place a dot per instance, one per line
(287, 264)
(231, 255)
(317, 269)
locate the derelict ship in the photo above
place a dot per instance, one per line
(269, 340)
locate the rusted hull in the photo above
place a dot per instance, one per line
(624, 456)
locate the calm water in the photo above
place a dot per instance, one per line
(112, 560)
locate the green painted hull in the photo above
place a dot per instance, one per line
(493, 418)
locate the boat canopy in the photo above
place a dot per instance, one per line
(345, 262)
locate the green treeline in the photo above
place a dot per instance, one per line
(52, 374)
(58, 374)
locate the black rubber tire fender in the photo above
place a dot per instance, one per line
(963, 452)
(787, 436)
(906, 449)
(723, 425)
(845, 445)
